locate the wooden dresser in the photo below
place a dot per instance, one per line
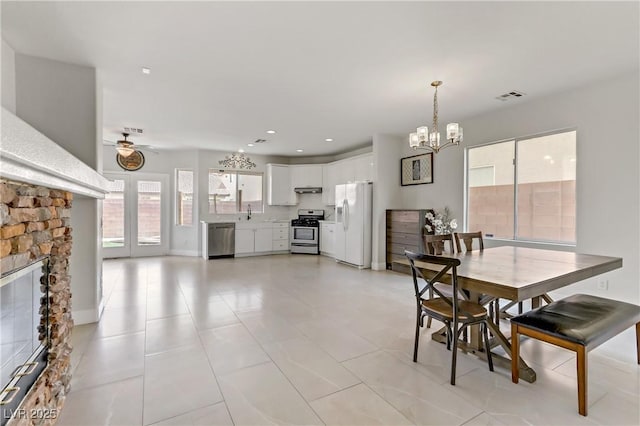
(404, 232)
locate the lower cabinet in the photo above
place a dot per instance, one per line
(261, 238)
(327, 239)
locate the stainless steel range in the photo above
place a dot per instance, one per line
(305, 232)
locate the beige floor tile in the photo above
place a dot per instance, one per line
(418, 397)
(118, 403)
(269, 327)
(213, 415)
(169, 333)
(80, 338)
(262, 395)
(162, 306)
(484, 420)
(231, 348)
(311, 370)
(357, 405)
(211, 315)
(115, 321)
(339, 342)
(110, 359)
(177, 382)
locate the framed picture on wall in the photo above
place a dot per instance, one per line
(416, 170)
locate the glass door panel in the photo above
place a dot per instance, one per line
(135, 216)
(149, 213)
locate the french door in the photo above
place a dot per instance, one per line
(135, 215)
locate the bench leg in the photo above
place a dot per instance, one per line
(582, 379)
(515, 353)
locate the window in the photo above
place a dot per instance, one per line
(524, 189)
(184, 197)
(234, 192)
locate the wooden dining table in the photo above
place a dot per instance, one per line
(515, 274)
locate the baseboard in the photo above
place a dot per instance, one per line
(189, 253)
(381, 266)
(86, 316)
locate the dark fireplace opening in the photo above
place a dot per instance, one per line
(24, 333)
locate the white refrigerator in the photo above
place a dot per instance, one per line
(353, 224)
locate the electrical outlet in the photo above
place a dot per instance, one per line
(603, 285)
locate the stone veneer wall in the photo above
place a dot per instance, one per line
(35, 221)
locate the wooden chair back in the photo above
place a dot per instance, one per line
(448, 263)
(437, 244)
(468, 238)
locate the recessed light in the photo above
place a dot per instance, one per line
(271, 132)
(241, 150)
(328, 140)
(250, 144)
(146, 70)
(547, 157)
(299, 150)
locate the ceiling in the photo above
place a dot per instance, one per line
(223, 73)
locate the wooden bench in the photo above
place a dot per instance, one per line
(579, 323)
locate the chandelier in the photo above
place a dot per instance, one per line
(235, 161)
(125, 147)
(424, 139)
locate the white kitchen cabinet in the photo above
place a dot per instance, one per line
(263, 240)
(306, 175)
(281, 236)
(327, 238)
(279, 189)
(329, 184)
(363, 167)
(245, 239)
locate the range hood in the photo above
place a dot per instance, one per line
(308, 190)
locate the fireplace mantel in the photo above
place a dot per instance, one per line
(27, 155)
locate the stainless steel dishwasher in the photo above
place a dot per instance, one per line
(220, 240)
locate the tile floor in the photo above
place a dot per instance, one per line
(296, 339)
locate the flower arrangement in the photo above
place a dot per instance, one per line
(441, 223)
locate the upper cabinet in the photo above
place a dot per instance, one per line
(279, 189)
(359, 168)
(306, 175)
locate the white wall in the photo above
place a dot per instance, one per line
(386, 179)
(8, 78)
(60, 101)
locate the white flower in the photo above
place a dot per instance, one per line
(453, 224)
(441, 222)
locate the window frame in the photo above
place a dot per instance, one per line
(177, 197)
(516, 141)
(238, 200)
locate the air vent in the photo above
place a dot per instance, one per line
(133, 130)
(510, 95)
(260, 141)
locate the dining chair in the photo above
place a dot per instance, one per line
(437, 245)
(456, 313)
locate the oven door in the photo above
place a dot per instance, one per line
(304, 235)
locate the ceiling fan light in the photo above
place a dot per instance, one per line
(125, 151)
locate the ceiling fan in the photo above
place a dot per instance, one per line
(125, 147)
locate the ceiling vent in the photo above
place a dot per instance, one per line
(260, 141)
(510, 95)
(133, 130)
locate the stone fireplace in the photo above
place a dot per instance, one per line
(38, 183)
(35, 224)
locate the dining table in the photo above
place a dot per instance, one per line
(515, 274)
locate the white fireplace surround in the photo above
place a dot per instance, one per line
(26, 155)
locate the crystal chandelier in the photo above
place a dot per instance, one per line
(423, 139)
(235, 161)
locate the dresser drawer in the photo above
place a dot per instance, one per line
(402, 238)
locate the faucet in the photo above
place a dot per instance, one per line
(249, 212)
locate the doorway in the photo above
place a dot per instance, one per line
(135, 215)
